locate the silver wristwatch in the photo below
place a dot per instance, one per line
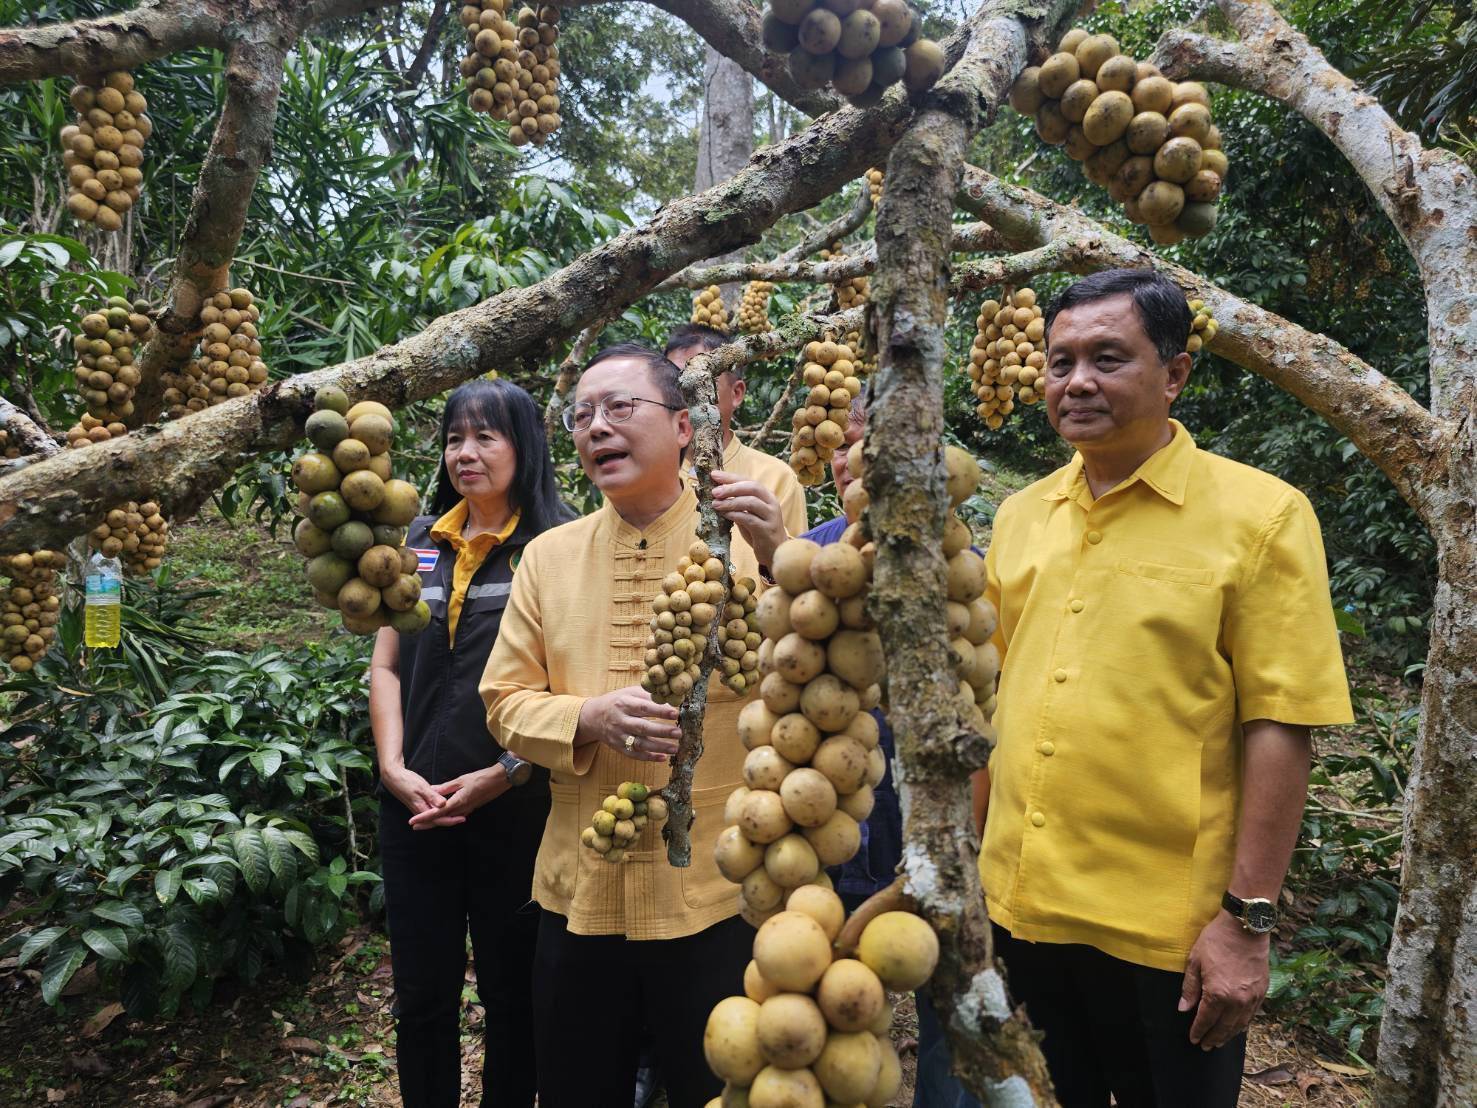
(516, 768)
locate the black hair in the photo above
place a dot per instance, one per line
(662, 372)
(1159, 302)
(706, 339)
(503, 407)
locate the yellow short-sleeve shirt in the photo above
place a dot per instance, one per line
(1139, 631)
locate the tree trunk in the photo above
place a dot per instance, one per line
(1428, 1037)
(726, 136)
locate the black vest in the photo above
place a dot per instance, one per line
(445, 722)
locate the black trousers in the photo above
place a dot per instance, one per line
(595, 993)
(440, 884)
(1113, 1027)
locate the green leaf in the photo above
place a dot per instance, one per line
(10, 251)
(1346, 623)
(251, 855)
(166, 885)
(119, 912)
(108, 943)
(65, 959)
(279, 853)
(39, 941)
(202, 890)
(178, 947)
(266, 762)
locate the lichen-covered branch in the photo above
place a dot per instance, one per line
(239, 149)
(699, 390)
(1387, 425)
(968, 239)
(26, 435)
(1430, 195)
(834, 231)
(994, 1053)
(569, 369)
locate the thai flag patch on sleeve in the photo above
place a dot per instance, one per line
(425, 560)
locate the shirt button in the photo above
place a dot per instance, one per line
(1059, 676)
(1048, 748)
(1038, 819)
(1094, 537)
(1077, 605)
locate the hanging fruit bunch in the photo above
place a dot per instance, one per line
(851, 292)
(1148, 140)
(229, 362)
(512, 72)
(1202, 328)
(874, 185)
(354, 516)
(860, 50)
(1008, 359)
(103, 150)
(753, 313)
(829, 373)
(709, 310)
(136, 533)
(105, 373)
(622, 817)
(29, 607)
(812, 1025)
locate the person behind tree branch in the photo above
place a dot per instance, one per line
(739, 461)
(459, 817)
(636, 944)
(1168, 640)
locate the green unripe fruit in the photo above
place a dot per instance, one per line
(310, 540)
(352, 539)
(331, 398)
(327, 510)
(327, 429)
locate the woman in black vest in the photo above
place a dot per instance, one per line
(461, 819)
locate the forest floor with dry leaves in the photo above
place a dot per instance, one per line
(327, 1041)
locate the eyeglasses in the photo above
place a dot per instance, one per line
(616, 408)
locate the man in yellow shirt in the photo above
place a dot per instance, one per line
(1167, 640)
(688, 341)
(637, 943)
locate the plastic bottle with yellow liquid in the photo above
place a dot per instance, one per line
(103, 605)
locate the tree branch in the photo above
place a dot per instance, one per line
(994, 1053)
(28, 437)
(834, 231)
(1379, 417)
(239, 149)
(1429, 195)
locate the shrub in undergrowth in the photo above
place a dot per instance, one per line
(177, 814)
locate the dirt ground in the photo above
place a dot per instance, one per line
(327, 1040)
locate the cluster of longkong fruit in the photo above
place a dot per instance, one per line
(229, 362)
(682, 615)
(105, 374)
(1146, 139)
(622, 816)
(29, 607)
(831, 378)
(709, 310)
(753, 313)
(812, 1027)
(136, 533)
(859, 47)
(354, 517)
(874, 185)
(103, 151)
(512, 72)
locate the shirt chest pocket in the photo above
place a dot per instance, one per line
(1171, 575)
(1163, 615)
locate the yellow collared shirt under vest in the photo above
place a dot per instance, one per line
(470, 554)
(1139, 632)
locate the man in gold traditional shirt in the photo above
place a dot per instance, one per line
(688, 341)
(1167, 640)
(639, 943)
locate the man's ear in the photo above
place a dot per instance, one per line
(1178, 374)
(740, 390)
(684, 429)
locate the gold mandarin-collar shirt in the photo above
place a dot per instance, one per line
(576, 627)
(1139, 631)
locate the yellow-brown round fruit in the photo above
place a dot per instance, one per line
(925, 64)
(349, 454)
(795, 737)
(1215, 161)
(755, 723)
(762, 820)
(856, 657)
(850, 995)
(1177, 160)
(1051, 126)
(797, 659)
(364, 407)
(380, 566)
(1191, 120)
(362, 490)
(808, 797)
(765, 768)
(790, 861)
(756, 987)
(781, 1088)
(1077, 99)
(358, 598)
(1204, 187)
(792, 951)
(791, 567)
(1093, 51)
(835, 841)
(1025, 93)
(1146, 133)
(965, 576)
(838, 571)
(848, 1066)
(961, 474)
(1107, 118)
(843, 760)
(900, 948)
(890, 1076)
(1190, 92)
(1161, 202)
(400, 505)
(731, 1040)
(813, 614)
(1057, 72)
(820, 904)
(314, 473)
(373, 430)
(1118, 73)
(791, 1030)
(736, 856)
(1153, 94)
(1071, 40)
(1132, 177)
